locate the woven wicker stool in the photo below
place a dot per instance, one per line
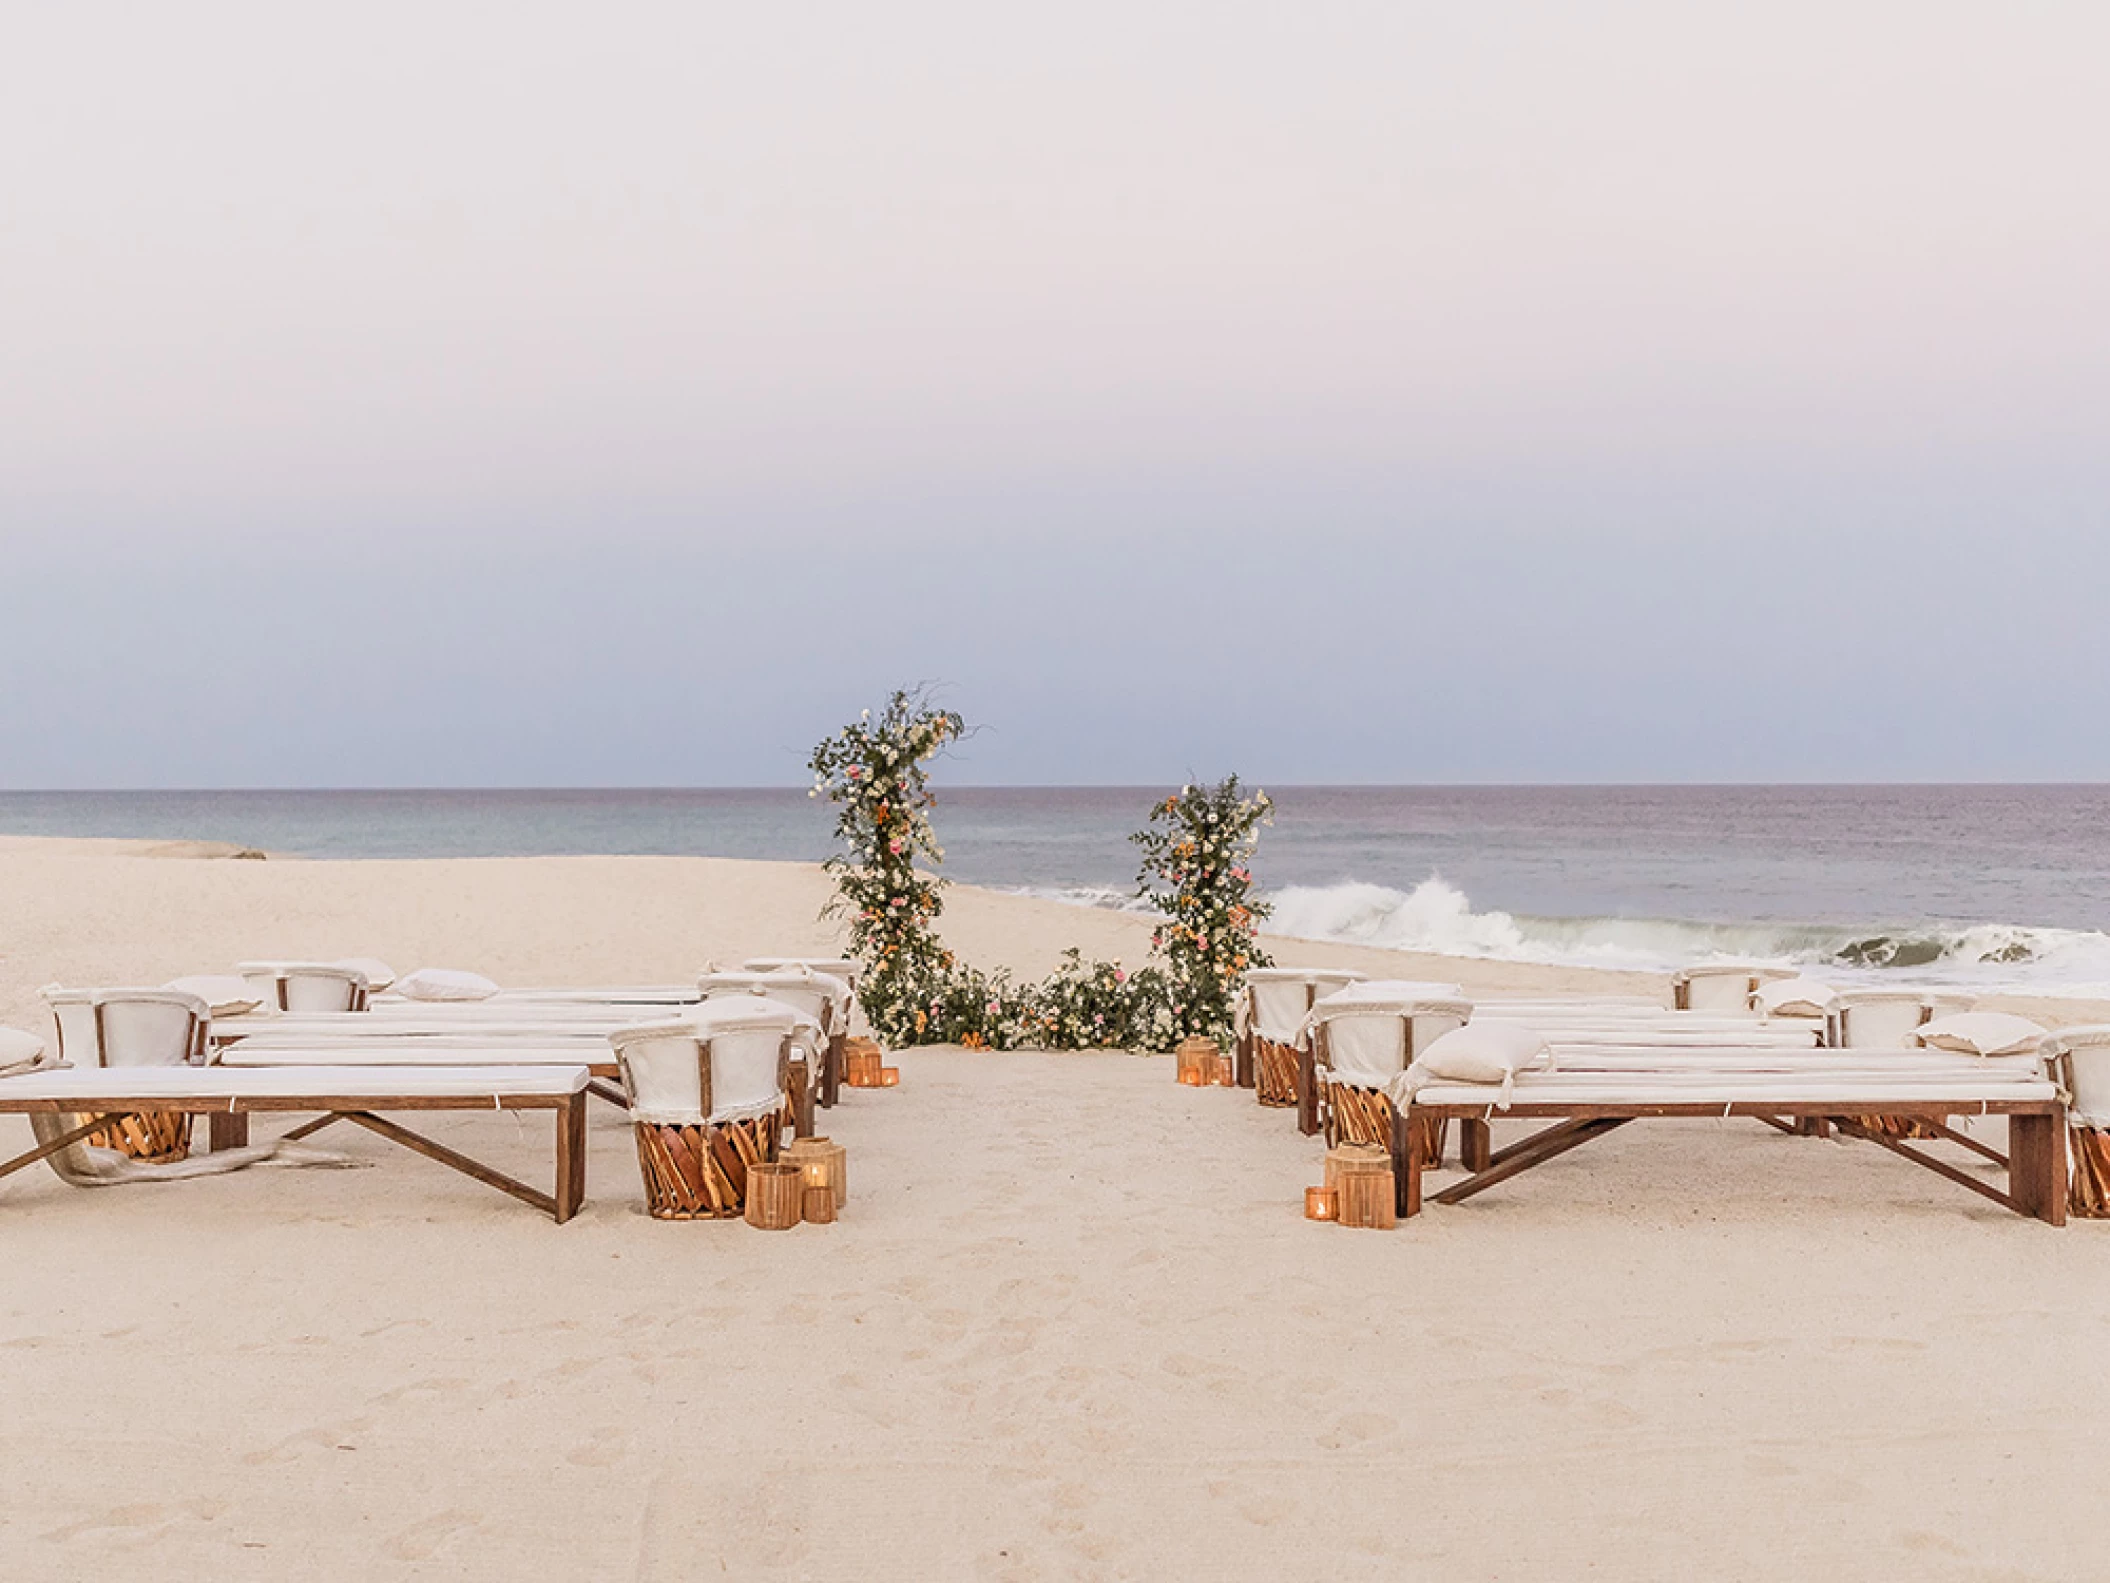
(700, 1173)
(158, 1138)
(1275, 1073)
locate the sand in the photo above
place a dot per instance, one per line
(1071, 1325)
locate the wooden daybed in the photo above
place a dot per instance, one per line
(1585, 1106)
(230, 1095)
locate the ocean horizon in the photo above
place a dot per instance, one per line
(1978, 884)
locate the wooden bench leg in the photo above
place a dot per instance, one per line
(829, 1079)
(1307, 1091)
(229, 1130)
(1407, 1163)
(44, 1151)
(571, 1157)
(1476, 1144)
(1243, 1049)
(2036, 1169)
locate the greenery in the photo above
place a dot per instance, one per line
(1196, 871)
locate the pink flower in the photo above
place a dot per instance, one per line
(1120, 977)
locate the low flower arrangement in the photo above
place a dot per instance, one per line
(1196, 872)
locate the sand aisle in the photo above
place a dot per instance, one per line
(1071, 1326)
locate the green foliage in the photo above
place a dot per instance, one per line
(875, 772)
(1196, 852)
(1197, 872)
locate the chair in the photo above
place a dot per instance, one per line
(841, 967)
(1360, 1043)
(117, 1028)
(1267, 1024)
(1721, 986)
(2081, 1064)
(822, 996)
(1884, 1019)
(707, 1102)
(308, 986)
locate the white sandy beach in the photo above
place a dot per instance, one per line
(1071, 1326)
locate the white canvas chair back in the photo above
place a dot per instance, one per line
(676, 1074)
(1876, 1019)
(308, 986)
(129, 1027)
(2082, 1060)
(1367, 1042)
(1278, 998)
(1331, 981)
(841, 967)
(1721, 987)
(821, 996)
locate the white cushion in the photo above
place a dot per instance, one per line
(379, 975)
(1795, 997)
(445, 983)
(1479, 1052)
(227, 994)
(1982, 1033)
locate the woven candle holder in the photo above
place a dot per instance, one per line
(817, 1206)
(861, 1058)
(1197, 1059)
(825, 1164)
(1361, 1174)
(775, 1193)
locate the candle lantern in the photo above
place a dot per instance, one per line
(817, 1205)
(774, 1191)
(1321, 1203)
(1197, 1056)
(890, 1077)
(821, 1164)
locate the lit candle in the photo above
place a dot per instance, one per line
(1191, 1077)
(1321, 1203)
(890, 1077)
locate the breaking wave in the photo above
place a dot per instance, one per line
(1436, 916)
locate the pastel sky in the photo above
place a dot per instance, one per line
(541, 394)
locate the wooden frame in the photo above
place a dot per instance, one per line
(2036, 1157)
(360, 1110)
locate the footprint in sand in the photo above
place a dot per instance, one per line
(422, 1541)
(1355, 1428)
(604, 1450)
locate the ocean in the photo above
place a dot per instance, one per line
(1978, 885)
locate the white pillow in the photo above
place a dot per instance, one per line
(225, 993)
(1795, 997)
(379, 975)
(1982, 1033)
(445, 983)
(1480, 1052)
(18, 1049)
